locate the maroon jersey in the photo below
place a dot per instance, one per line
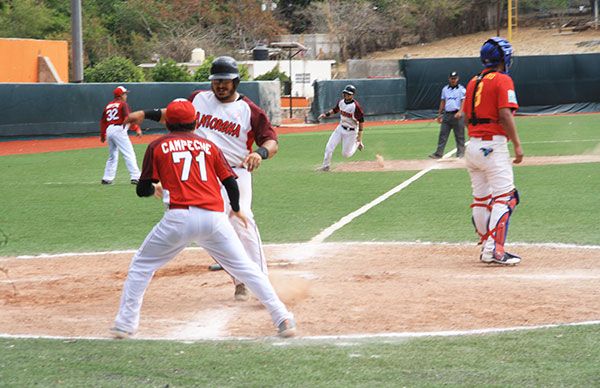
(114, 113)
(189, 169)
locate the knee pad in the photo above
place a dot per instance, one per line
(481, 210)
(502, 208)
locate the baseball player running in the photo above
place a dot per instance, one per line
(490, 103)
(189, 169)
(233, 122)
(351, 118)
(113, 129)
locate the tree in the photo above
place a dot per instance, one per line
(114, 69)
(30, 19)
(169, 71)
(273, 74)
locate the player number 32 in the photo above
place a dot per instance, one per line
(187, 157)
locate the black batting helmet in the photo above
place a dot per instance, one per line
(224, 68)
(349, 89)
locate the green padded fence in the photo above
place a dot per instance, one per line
(544, 83)
(380, 98)
(61, 109)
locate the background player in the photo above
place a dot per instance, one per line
(351, 118)
(489, 106)
(233, 122)
(189, 169)
(113, 129)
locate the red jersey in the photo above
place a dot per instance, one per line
(114, 113)
(189, 169)
(495, 91)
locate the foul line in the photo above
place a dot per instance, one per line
(319, 238)
(333, 338)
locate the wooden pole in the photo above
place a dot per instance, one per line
(510, 20)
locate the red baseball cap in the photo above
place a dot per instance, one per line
(180, 111)
(119, 91)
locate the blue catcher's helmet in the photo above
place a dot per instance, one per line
(495, 51)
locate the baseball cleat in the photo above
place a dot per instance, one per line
(120, 333)
(215, 267)
(134, 181)
(106, 182)
(323, 169)
(287, 328)
(435, 156)
(241, 294)
(507, 259)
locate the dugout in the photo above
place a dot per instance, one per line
(381, 99)
(544, 83)
(75, 109)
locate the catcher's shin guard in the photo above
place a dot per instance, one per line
(481, 210)
(502, 208)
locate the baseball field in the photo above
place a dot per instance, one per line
(377, 259)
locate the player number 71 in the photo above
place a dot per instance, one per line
(187, 164)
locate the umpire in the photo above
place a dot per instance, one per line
(450, 115)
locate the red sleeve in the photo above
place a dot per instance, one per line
(103, 125)
(336, 108)
(124, 110)
(149, 170)
(507, 98)
(260, 124)
(222, 168)
(358, 112)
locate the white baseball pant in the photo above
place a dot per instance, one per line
(490, 167)
(250, 236)
(118, 141)
(213, 232)
(348, 140)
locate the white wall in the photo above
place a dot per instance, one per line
(304, 73)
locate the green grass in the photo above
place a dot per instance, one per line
(567, 356)
(53, 202)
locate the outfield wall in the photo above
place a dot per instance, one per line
(60, 109)
(544, 84)
(381, 99)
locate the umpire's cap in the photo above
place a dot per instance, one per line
(224, 68)
(349, 89)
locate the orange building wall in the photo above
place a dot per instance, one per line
(19, 58)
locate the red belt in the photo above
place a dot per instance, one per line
(486, 137)
(175, 206)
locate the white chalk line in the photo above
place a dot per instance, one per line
(328, 338)
(327, 232)
(305, 247)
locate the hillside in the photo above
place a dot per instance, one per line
(526, 41)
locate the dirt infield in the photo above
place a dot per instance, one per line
(442, 164)
(333, 289)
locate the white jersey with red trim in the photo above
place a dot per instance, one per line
(232, 126)
(351, 113)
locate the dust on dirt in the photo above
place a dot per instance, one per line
(338, 289)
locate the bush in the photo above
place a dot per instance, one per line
(272, 75)
(202, 72)
(114, 69)
(169, 71)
